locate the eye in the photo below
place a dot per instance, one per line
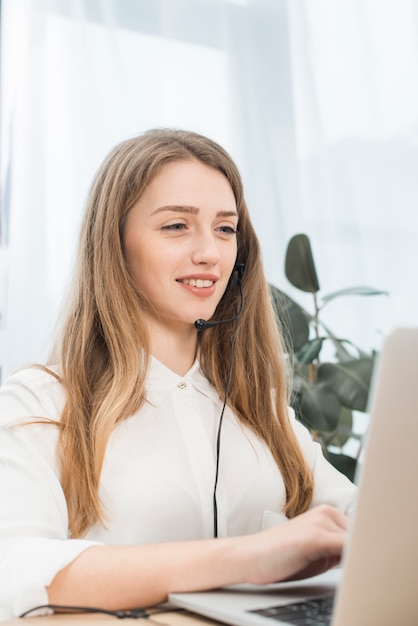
(175, 227)
(227, 230)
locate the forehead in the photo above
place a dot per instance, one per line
(185, 180)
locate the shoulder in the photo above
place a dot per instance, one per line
(33, 377)
(31, 392)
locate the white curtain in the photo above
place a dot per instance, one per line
(316, 101)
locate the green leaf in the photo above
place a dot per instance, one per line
(291, 318)
(344, 430)
(318, 407)
(310, 350)
(300, 370)
(299, 264)
(343, 354)
(353, 291)
(345, 464)
(350, 381)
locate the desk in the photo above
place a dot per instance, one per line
(169, 618)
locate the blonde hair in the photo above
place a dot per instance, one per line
(103, 347)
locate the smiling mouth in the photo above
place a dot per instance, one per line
(197, 282)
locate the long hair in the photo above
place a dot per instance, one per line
(103, 348)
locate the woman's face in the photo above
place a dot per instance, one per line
(180, 242)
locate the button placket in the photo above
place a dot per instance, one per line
(198, 451)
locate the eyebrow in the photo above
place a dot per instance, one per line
(191, 209)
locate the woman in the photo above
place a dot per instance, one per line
(145, 438)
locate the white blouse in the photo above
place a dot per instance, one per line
(157, 480)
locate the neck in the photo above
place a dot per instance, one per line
(175, 350)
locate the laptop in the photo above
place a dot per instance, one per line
(377, 584)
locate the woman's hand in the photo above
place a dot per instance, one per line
(116, 577)
(304, 546)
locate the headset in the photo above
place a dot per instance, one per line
(238, 271)
(201, 325)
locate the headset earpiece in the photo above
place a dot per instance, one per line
(239, 269)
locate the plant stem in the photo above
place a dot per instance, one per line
(316, 315)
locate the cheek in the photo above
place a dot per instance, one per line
(135, 257)
(149, 262)
(138, 250)
(233, 257)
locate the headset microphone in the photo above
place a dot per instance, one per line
(201, 325)
(238, 272)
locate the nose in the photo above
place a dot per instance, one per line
(205, 249)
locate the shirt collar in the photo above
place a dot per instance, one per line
(161, 381)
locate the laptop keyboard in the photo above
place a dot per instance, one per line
(314, 612)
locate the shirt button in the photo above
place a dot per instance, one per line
(181, 385)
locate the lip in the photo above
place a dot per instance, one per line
(211, 277)
(200, 292)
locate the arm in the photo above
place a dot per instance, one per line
(115, 577)
(34, 542)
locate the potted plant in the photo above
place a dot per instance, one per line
(325, 393)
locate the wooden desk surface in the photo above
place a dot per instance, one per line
(167, 618)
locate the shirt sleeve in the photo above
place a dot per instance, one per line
(34, 542)
(330, 486)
